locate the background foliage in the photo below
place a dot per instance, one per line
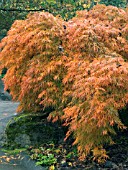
(13, 9)
(117, 3)
(78, 69)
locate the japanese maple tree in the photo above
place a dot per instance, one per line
(77, 68)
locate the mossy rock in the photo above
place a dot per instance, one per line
(32, 130)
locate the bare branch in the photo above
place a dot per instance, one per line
(22, 10)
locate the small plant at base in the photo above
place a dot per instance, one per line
(43, 156)
(46, 159)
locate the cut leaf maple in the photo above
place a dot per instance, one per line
(85, 84)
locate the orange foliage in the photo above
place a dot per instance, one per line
(78, 68)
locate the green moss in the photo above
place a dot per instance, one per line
(38, 129)
(13, 152)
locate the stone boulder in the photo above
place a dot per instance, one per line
(32, 130)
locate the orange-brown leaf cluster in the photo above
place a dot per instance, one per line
(78, 68)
